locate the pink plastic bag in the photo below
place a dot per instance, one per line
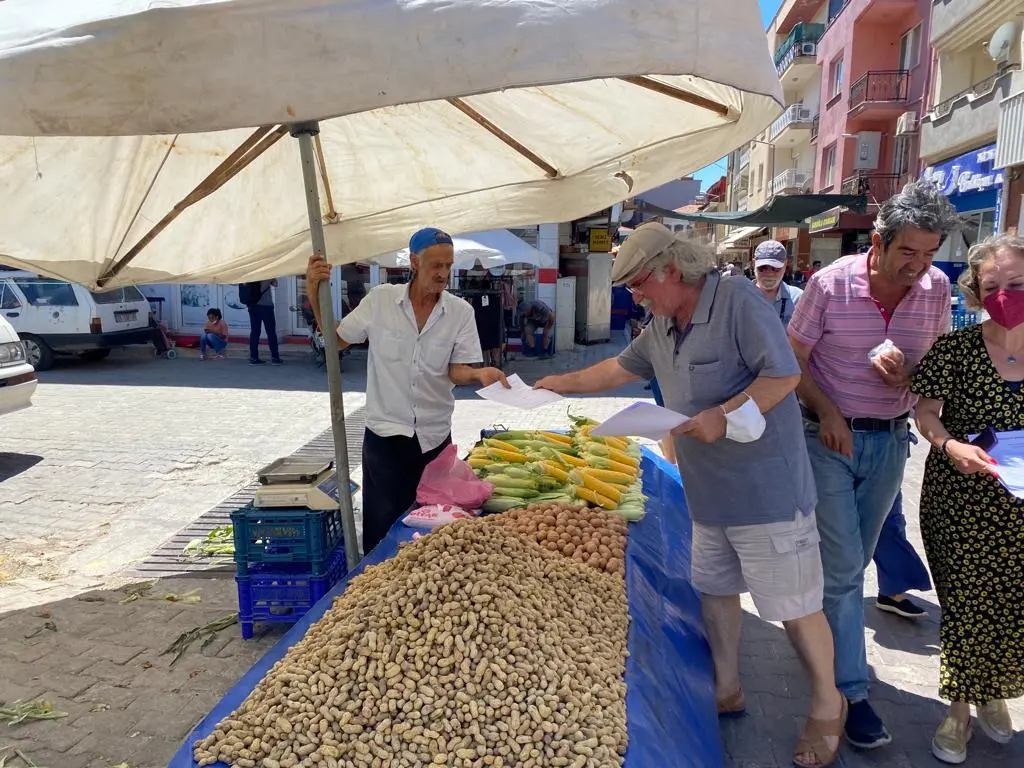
(449, 480)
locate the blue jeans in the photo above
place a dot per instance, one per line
(208, 339)
(854, 498)
(656, 392)
(900, 568)
(262, 313)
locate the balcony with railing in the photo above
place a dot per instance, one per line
(815, 123)
(744, 158)
(880, 90)
(800, 47)
(967, 117)
(878, 187)
(796, 116)
(790, 181)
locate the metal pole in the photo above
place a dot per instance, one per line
(305, 132)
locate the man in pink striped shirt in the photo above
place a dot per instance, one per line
(856, 407)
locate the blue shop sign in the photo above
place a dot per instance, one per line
(970, 181)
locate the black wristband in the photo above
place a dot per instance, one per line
(942, 445)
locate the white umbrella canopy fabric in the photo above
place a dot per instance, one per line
(461, 114)
(494, 248)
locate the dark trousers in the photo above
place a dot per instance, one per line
(899, 566)
(392, 467)
(262, 314)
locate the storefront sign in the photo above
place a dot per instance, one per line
(972, 172)
(600, 241)
(825, 221)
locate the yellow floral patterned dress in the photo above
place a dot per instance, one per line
(973, 528)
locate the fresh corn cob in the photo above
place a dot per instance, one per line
(479, 462)
(613, 454)
(501, 504)
(558, 438)
(594, 498)
(502, 483)
(507, 456)
(611, 476)
(527, 471)
(612, 442)
(607, 490)
(491, 442)
(555, 471)
(603, 462)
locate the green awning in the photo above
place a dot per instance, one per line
(780, 211)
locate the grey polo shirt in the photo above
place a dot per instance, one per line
(734, 337)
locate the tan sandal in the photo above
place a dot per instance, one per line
(733, 705)
(815, 740)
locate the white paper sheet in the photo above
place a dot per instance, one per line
(521, 395)
(641, 420)
(1009, 452)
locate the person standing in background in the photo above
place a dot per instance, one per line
(258, 298)
(537, 316)
(770, 261)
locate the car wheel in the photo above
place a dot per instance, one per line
(40, 356)
(95, 354)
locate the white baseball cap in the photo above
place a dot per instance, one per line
(771, 253)
(647, 241)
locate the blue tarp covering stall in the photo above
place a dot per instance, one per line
(670, 699)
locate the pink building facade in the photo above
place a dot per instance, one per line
(875, 69)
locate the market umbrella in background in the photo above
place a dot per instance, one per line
(144, 140)
(494, 248)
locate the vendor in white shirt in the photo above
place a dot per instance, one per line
(423, 342)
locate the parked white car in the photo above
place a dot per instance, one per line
(17, 377)
(54, 317)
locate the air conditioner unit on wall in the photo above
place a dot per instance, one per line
(906, 125)
(808, 49)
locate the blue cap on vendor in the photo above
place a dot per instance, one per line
(428, 237)
(431, 256)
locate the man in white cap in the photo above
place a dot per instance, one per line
(770, 260)
(722, 358)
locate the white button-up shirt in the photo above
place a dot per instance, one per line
(408, 391)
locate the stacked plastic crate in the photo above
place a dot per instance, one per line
(285, 561)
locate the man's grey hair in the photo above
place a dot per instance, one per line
(919, 205)
(691, 258)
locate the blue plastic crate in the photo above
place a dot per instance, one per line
(289, 535)
(282, 593)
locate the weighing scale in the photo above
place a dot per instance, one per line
(299, 482)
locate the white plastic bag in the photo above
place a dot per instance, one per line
(435, 515)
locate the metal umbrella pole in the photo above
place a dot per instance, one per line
(305, 132)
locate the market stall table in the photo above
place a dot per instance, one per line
(670, 681)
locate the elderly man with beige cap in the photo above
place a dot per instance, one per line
(722, 357)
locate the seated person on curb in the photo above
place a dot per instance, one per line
(537, 316)
(214, 335)
(423, 342)
(721, 356)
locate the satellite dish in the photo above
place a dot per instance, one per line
(1002, 42)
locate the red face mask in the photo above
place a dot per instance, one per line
(1006, 308)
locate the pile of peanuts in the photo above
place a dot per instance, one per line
(587, 535)
(474, 646)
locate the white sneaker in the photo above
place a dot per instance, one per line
(994, 719)
(202, 357)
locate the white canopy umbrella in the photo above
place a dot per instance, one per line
(494, 248)
(132, 157)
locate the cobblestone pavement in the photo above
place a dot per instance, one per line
(117, 456)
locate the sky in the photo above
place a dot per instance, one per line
(713, 172)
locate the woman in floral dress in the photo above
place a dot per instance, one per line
(973, 528)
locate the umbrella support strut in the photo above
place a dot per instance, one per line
(305, 132)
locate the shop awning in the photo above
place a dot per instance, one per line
(779, 211)
(737, 236)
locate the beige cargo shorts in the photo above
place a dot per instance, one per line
(779, 564)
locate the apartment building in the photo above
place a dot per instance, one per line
(976, 54)
(875, 74)
(780, 161)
